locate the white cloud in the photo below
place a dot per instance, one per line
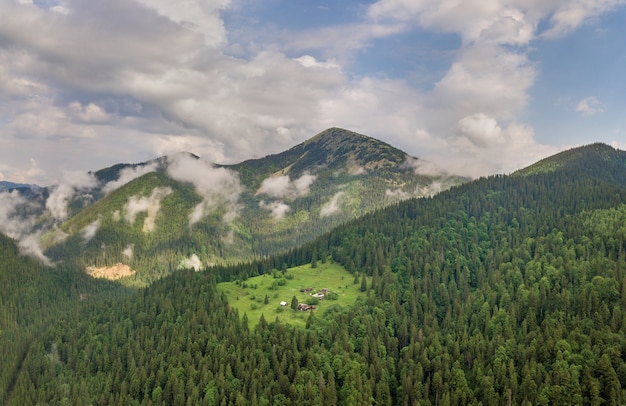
(333, 206)
(29, 245)
(486, 78)
(303, 183)
(589, 106)
(282, 187)
(218, 187)
(423, 167)
(195, 15)
(73, 182)
(309, 61)
(90, 230)
(278, 209)
(480, 130)
(193, 262)
(148, 204)
(129, 79)
(571, 14)
(128, 174)
(277, 186)
(15, 221)
(90, 113)
(128, 252)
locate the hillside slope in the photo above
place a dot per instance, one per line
(185, 212)
(505, 290)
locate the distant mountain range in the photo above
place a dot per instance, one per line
(181, 211)
(5, 185)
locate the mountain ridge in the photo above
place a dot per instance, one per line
(223, 213)
(573, 158)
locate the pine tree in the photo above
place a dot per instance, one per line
(294, 303)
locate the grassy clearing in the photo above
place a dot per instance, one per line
(249, 296)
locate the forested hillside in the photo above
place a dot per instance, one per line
(33, 297)
(507, 290)
(182, 211)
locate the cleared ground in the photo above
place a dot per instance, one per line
(250, 296)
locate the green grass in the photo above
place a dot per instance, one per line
(248, 297)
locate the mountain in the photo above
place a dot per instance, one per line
(503, 290)
(598, 160)
(6, 185)
(181, 211)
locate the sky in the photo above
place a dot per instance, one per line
(476, 87)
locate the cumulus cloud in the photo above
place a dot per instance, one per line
(282, 187)
(128, 174)
(589, 106)
(333, 206)
(193, 262)
(218, 187)
(480, 130)
(148, 204)
(278, 209)
(90, 113)
(167, 77)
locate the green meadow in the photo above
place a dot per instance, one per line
(262, 295)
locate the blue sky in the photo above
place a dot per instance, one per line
(588, 63)
(475, 86)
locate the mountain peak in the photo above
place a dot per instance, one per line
(336, 133)
(338, 147)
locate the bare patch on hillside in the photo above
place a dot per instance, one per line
(114, 272)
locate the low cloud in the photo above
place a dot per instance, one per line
(281, 187)
(73, 183)
(90, 230)
(193, 262)
(397, 194)
(29, 245)
(332, 206)
(278, 186)
(128, 252)
(423, 167)
(150, 204)
(16, 220)
(217, 186)
(278, 209)
(128, 174)
(432, 189)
